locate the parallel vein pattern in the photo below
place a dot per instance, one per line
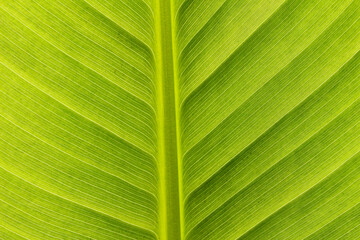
(179, 119)
(269, 117)
(78, 120)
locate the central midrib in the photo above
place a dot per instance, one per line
(170, 185)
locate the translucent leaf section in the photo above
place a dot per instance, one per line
(179, 119)
(78, 120)
(269, 118)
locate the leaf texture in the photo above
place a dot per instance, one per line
(179, 119)
(269, 114)
(78, 121)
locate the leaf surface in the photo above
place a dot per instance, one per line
(179, 119)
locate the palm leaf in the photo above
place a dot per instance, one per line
(183, 119)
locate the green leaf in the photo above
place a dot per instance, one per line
(179, 119)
